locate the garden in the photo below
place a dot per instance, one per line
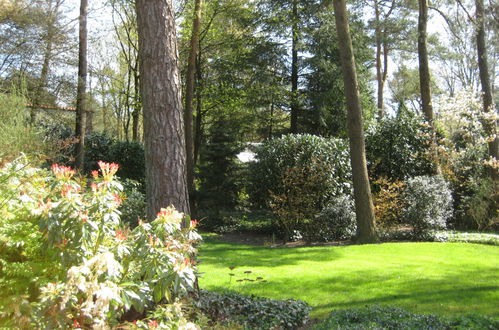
(275, 246)
(248, 164)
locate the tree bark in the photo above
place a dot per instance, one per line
(189, 97)
(198, 133)
(424, 69)
(137, 105)
(379, 73)
(81, 97)
(164, 140)
(364, 209)
(487, 97)
(294, 68)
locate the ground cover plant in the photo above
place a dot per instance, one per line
(443, 278)
(388, 317)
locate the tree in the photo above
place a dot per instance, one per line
(490, 125)
(424, 69)
(189, 96)
(81, 97)
(364, 209)
(164, 140)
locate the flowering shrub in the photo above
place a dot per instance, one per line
(98, 269)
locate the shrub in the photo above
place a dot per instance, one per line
(335, 222)
(388, 317)
(130, 156)
(133, 208)
(388, 202)
(298, 176)
(253, 312)
(300, 153)
(398, 148)
(428, 203)
(16, 135)
(98, 268)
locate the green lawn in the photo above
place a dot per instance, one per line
(442, 278)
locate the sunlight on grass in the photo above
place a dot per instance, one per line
(442, 278)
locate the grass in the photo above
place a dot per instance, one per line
(442, 278)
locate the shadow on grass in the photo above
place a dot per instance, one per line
(431, 283)
(222, 254)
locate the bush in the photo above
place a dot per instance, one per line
(387, 317)
(398, 148)
(16, 135)
(336, 222)
(253, 312)
(298, 176)
(133, 207)
(388, 202)
(428, 203)
(98, 269)
(130, 156)
(301, 153)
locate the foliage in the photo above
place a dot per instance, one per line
(25, 263)
(325, 110)
(300, 153)
(253, 312)
(465, 162)
(428, 203)
(335, 222)
(480, 210)
(238, 220)
(388, 317)
(133, 208)
(478, 238)
(219, 171)
(298, 175)
(130, 156)
(16, 135)
(388, 202)
(98, 269)
(398, 148)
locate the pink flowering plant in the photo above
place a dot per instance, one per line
(92, 269)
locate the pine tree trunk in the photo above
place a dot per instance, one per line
(424, 69)
(294, 68)
(81, 97)
(364, 209)
(488, 100)
(379, 74)
(164, 140)
(189, 97)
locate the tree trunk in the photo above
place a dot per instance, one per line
(488, 100)
(379, 73)
(137, 104)
(164, 140)
(81, 97)
(424, 69)
(199, 113)
(294, 68)
(364, 209)
(189, 97)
